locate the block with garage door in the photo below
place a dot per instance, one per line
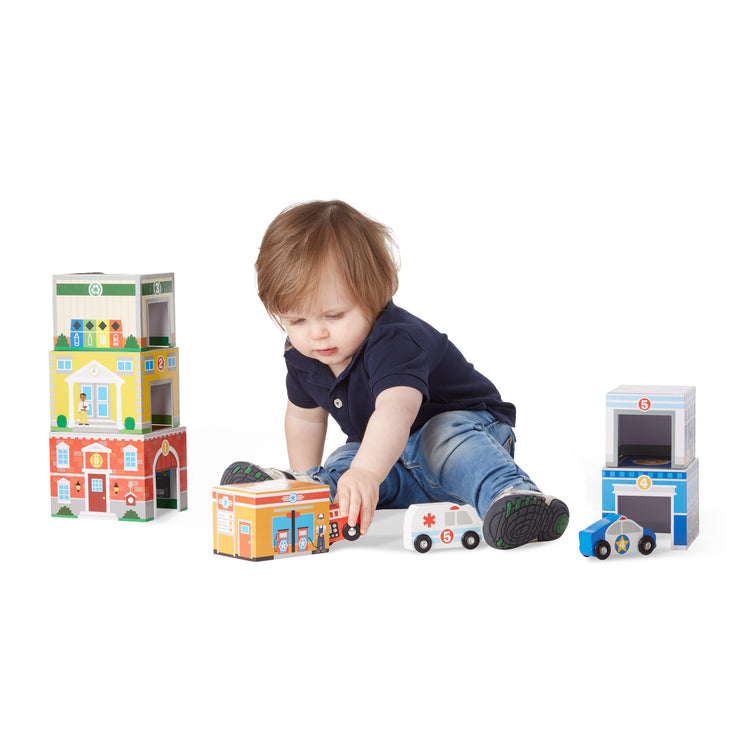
(651, 470)
(117, 448)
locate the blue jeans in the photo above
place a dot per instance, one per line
(457, 456)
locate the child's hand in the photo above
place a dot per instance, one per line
(357, 493)
(358, 490)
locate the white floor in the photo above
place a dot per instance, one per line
(138, 632)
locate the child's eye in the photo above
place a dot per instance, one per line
(295, 321)
(334, 316)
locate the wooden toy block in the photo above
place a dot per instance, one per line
(655, 422)
(651, 472)
(276, 518)
(125, 391)
(113, 311)
(265, 520)
(657, 496)
(113, 476)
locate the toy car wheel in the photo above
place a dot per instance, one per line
(470, 540)
(602, 550)
(423, 543)
(351, 532)
(646, 545)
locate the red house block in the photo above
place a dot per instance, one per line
(118, 476)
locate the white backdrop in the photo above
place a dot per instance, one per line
(568, 186)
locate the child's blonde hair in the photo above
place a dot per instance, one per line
(304, 238)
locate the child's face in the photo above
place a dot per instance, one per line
(330, 328)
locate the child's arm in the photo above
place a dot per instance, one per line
(385, 438)
(305, 436)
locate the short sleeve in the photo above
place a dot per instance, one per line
(295, 391)
(393, 358)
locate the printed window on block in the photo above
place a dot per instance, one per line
(125, 366)
(63, 491)
(102, 399)
(63, 456)
(149, 365)
(171, 361)
(130, 459)
(97, 485)
(64, 365)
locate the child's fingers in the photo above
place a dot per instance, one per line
(366, 514)
(349, 504)
(357, 497)
(342, 500)
(354, 509)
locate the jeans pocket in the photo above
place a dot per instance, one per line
(502, 433)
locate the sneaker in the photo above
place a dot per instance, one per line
(517, 517)
(243, 472)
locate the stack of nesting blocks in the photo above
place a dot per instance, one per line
(651, 472)
(117, 449)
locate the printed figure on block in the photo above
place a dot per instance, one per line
(83, 410)
(651, 472)
(117, 449)
(421, 423)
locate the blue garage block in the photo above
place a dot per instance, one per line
(655, 495)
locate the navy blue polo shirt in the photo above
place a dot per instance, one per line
(400, 350)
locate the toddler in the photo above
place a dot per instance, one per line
(421, 423)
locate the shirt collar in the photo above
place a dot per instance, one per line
(319, 373)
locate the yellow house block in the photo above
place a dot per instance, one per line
(133, 391)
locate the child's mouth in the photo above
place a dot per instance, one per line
(325, 352)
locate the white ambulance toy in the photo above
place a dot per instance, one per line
(442, 525)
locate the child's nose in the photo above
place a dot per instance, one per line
(319, 330)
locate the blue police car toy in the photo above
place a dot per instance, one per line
(615, 532)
